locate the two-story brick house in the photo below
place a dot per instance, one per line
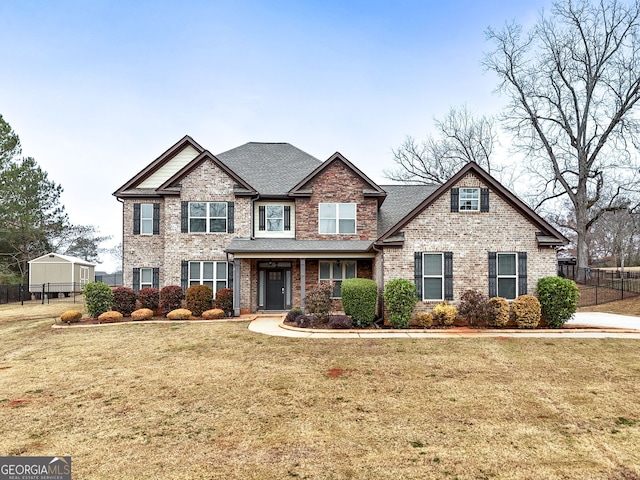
(271, 221)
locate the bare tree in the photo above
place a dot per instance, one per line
(461, 138)
(616, 235)
(573, 82)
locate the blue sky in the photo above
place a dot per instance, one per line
(98, 89)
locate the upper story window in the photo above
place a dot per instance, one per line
(337, 217)
(469, 200)
(208, 217)
(146, 218)
(274, 218)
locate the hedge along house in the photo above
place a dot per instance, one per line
(271, 221)
(59, 274)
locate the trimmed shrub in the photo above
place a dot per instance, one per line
(498, 311)
(142, 314)
(110, 317)
(198, 299)
(359, 297)
(445, 314)
(318, 301)
(124, 300)
(558, 300)
(340, 322)
(149, 298)
(526, 310)
(294, 313)
(474, 308)
(304, 321)
(213, 314)
(98, 297)
(179, 314)
(423, 319)
(224, 301)
(71, 316)
(400, 298)
(170, 299)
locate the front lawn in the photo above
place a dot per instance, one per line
(194, 400)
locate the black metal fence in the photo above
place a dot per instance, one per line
(42, 293)
(602, 286)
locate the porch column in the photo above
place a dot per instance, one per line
(303, 281)
(236, 287)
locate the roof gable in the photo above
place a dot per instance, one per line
(548, 232)
(60, 258)
(168, 187)
(371, 189)
(150, 178)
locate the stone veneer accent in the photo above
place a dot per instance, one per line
(470, 236)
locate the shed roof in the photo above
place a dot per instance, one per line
(59, 258)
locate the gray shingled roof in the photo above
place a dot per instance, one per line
(270, 168)
(287, 245)
(401, 199)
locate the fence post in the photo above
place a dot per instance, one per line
(622, 288)
(21, 295)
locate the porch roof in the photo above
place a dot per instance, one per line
(291, 248)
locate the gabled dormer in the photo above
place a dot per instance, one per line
(337, 201)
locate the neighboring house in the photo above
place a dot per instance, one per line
(59, 273)
(271, 221)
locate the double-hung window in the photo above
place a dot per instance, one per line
(146, 278)
(469, 200)
(336, 272)
(507, 275)
(337, 217)
(146, 218)
(208, 217)
(213, 274)
(433, 276)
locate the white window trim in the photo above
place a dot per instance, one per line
(343, 267)
(214, 280)
(498, 276)
(338, 218)
(208, 217)
(146, 284)
(441, 277)
(461, 199)
(144, 219)
(291, 233)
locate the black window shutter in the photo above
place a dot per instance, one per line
(484, 199)
(287, 218)
(261, 218)
(136, 219)
(455, 204)
(184, 217)
(229, 274)
(184, 274)
(156, 218)
(522, 273)
(136, 279)
(156, 278)
(448, 275)
(230, 217)
(417, 273)
(493, 275)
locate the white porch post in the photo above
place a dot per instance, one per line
(303, 281)
(236, 287)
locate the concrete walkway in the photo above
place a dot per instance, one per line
(597, 325)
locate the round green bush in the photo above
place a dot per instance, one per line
(199, 298)
(558, 300)
(400, 298)
(359, 297)
(98, 297)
